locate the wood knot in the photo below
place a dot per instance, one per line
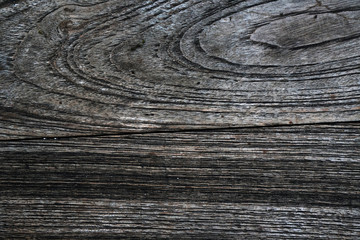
(66, 25)
(305, 30)
(69, 9)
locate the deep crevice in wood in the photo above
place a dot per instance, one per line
(192, 130)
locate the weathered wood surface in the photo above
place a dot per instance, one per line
(261, 183)
(76, 67)
(106, 111)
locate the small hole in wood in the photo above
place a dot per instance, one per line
(315, 16)
(69, 9)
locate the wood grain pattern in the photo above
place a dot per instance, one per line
(179, 119)
(255, 183)
(112, 219)
(76, 67)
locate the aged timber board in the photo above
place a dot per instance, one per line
(298, 182)
(179, 119)
(91, 67)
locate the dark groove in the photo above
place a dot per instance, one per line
(178, 131)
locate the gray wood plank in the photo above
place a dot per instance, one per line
(113, 219)
(76, 67)
(145, 81)
(290, 182)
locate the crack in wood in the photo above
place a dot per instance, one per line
(210, 130)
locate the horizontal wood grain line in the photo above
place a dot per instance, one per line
(46, 218)
(298, 165)
(209, 130)
(285, 182)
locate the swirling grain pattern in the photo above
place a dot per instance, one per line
(73, 67)
(179, 119)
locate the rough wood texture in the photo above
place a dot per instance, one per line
(191, 119)
(268, 183)
(88, 67)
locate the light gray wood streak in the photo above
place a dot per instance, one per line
(110, 219)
